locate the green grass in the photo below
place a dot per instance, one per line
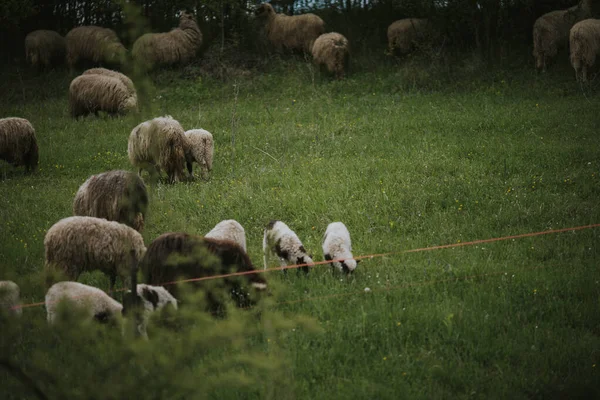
(406, 159)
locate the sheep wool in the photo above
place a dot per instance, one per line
(44, 48)
(10, 298)
(180, 255)
(200, 149)
(229, 229)
(337, 246)
(283, 242)
(93, 302)
(551, 32)
(77, 244)
(114, 195)
(407, 34)
(109, 72)
(159, 144)
(297, 32)
(92, 93)
(152, 298)
(585, 46)
(18, 144)
(332, 50)
(94, 44)
(178, 46)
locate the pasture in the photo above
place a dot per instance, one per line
(406, 160)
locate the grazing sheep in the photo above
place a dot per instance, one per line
(551, 32)
(297, 32)
(93, 93)
(337, 246)
(585, 46)
(77, 244)
(109, 72)
(93, 302)
(94, 44)
(114, 195)
(178, 46)
(280, 240)
(18, 144)
(200, 149)
(180, 255)
(44, 48)
(159, 143)
(229, 229)
(405, 35)
(10, 298)
(152, 298)
(332, 50)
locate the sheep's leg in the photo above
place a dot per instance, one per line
(283, 263)
(584, 73)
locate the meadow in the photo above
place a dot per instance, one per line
(406, 159)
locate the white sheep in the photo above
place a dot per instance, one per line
(77, 244)
(200, 148)
(229, 229)
(152, 298)
(10, 298)
(93, 302)
(585, 45)
(331, 51)
(44, 48)
(91, 93)
(18, 144)
(94, 44)
(281, 241)
(337, 246)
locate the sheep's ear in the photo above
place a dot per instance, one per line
(328, 257)
(151, 296)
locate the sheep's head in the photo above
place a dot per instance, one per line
(348, 266)
(265, 10)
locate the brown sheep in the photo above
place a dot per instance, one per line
(178, 255)
(297, 32)
(94, 44)
(44, 48)
(406, 35)
(585, 46)
(93, 93)
(18, 144)
(332, 51)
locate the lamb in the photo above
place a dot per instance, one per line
(200, 149)
(91, 93)
(94, 303)
(77, 244)
(585, 46)
(180, 255)
(297, 32)
(159, 143)
(10, 298)
(280, 240)
(94, 44)
(18, 144)
(551, 32)
(152, 298)
(44, 48)
(229, 229)
(122, 77)
(179, 46)
(332, 50)
(337, 246)
(405, 35)
(114, 195)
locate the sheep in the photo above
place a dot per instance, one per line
(92, 93)
(337, 246)
(229, 229)
(407, 34)
(180, 255)
(94, 44)
(178, 46)
(159, 143)
(44, 48)
(77, 244)
(18, 144)
(332, 50)
(114, 195)
(152, 298)
(584, 40)
(200, 149)
(10, 298)
(297, 32)
(93, 302)
(551, 32)
(122, 77)
(280, 240)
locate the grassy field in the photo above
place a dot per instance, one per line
(406, 159)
